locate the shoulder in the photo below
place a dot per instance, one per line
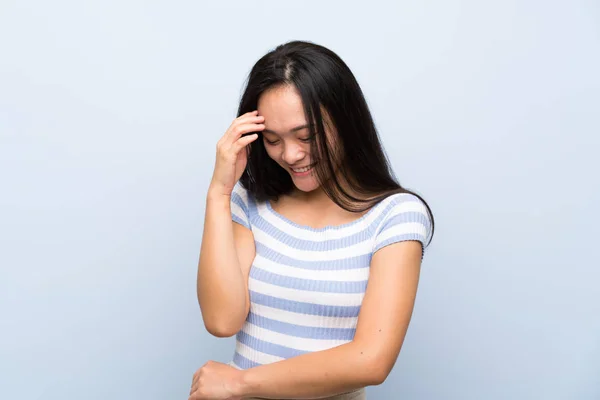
(404, 203)
(404, 217)
(242, 205)
(242, 195)
(240, 191)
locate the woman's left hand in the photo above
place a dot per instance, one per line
(215, 381)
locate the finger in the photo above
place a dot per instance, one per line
(194, 383)
(195, 395)
(193, 390)
(245, 119)
(244, 141)
(255, 119)
(248, 116)
(228, 141)
(237, 131)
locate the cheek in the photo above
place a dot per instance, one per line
(272, 152)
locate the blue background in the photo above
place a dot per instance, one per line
(109, 116)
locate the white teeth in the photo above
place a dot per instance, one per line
(302, 169)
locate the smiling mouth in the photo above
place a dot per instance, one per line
(304, 169)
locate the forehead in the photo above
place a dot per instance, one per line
(282, 107)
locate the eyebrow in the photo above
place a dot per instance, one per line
(298, 128)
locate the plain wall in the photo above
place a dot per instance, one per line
(109, 116)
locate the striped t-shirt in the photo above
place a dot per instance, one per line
(307, 285)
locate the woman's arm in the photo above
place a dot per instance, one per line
(225, 258)
(227, 249)
(367, 360)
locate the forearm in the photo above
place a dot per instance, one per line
(221, 287)
(319, 374)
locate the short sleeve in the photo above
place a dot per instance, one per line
(407, 219)
(240, 206)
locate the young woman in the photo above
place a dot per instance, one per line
(317, 274)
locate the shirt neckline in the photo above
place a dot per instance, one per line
(322, 229)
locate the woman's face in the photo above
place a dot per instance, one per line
(286, 135)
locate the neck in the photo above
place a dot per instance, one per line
(316, 196)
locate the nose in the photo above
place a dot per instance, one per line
(293, 153)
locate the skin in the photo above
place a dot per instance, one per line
(389, 299)
(286, 135)
(290, 148)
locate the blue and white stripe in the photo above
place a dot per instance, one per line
(306, 284)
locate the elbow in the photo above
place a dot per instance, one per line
(221, 332)
(376, 369)
(378, 376)
(221, 328)
(221, 323)
(375, 375)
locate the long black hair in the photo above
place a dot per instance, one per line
(330, 95)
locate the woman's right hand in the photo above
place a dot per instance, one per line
(231, 157)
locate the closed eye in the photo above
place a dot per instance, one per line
(275, 142)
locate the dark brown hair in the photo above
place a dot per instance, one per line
(325, 83)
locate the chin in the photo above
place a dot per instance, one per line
(306, 185)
